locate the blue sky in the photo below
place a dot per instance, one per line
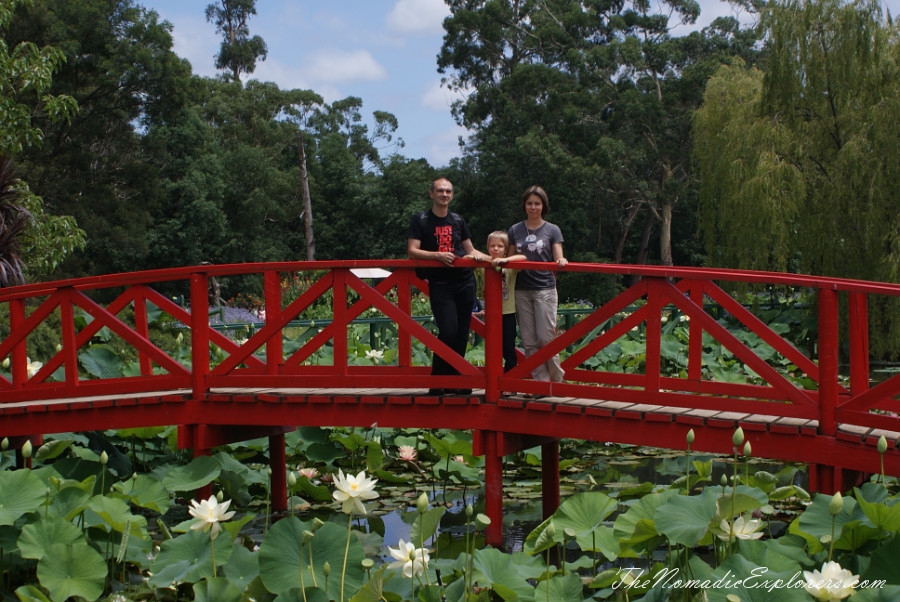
(383, 51)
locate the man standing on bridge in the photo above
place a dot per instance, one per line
(442, 235)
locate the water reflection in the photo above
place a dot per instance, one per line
(618, 471)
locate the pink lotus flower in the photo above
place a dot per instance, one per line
(309, 472)
(407, 453)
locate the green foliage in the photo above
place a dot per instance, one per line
(26, 74)
(796, 163)
(592, 101)
(238, 52)
(682, 532)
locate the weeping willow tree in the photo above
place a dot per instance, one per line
(800, 163)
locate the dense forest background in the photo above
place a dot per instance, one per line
(770, 146)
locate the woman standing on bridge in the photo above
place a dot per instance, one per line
(536, 296)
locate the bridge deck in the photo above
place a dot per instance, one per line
(553, 416)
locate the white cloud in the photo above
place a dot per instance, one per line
(440, 98)
(341, 66)
(444, 145)
(196, 40)
(417, 17)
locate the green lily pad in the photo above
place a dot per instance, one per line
(20, 492)
(686, 519)
(38, 536)
(280, 556)
(201, 471)
(74, 570)
(216, 589)
(146, 492)
(188, 558)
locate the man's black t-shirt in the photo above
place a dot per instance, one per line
(441, 234)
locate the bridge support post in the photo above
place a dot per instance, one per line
(549, 478)
(493, 489)
(822, 478)
(278, 479)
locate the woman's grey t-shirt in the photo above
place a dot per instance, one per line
(536, 245)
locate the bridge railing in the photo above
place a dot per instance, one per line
(662, 324)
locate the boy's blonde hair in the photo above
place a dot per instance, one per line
(500, 235)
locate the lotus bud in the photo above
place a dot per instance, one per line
(220, 496)
(180, 338)
(26, 449)
(690, 437)
(4, 445)
(326, 568)
(882, 445)
(422, 503)
(104, 458)
(58, 347)
(836, 504)
(292, 478)
(551, 530)
(747, 449)
(738, 436)
(312, 324)
(5, 363)
(470, 510)
(723, 480)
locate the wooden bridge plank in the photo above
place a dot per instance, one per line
(852, 432)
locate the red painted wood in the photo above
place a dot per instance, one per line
(549, 478)
(834, 426)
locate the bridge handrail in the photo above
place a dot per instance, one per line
(649, 271)
(830, 401)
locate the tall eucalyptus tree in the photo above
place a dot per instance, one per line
(590, 99)
(238, 52)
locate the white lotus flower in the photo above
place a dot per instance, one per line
(413, 560)
(352, 490)
(832, 583)
(33, 367)
(740, 529)
(209, 513)
(376, 355)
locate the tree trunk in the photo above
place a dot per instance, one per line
(665, 235)
(307, 202)
(623, 237)
(645, 241)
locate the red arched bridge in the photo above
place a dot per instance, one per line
(668, 332)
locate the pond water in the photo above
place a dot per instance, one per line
(610, 469)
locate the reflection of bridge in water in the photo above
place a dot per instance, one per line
(224, 390)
